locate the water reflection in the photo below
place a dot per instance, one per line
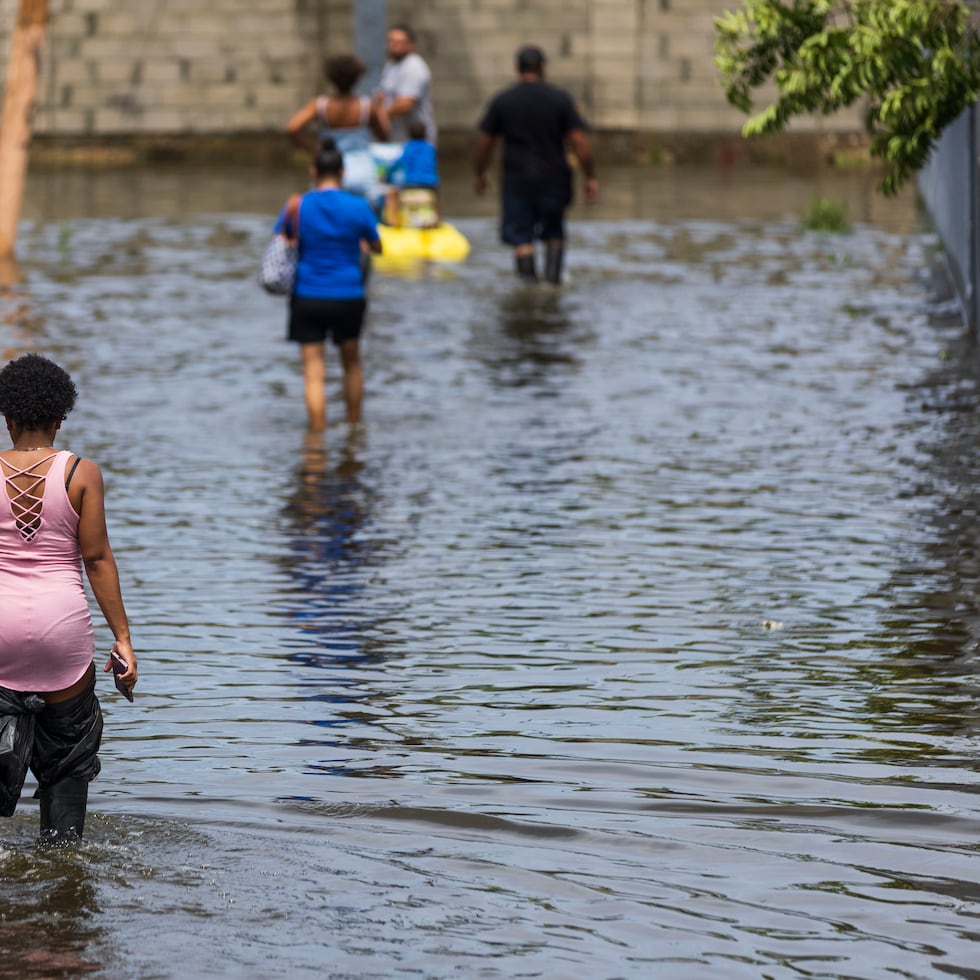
(50, 914)
(660, 193)
(327, 559)
(533, 341)
(328, 505)
(932, 683)
(18, 316)
(10, 273)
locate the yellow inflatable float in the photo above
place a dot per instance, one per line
(443, 243)
(413, 231)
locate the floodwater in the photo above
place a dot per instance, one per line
(635, 634)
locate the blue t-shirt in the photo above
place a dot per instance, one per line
(332, 224)
(417, 166)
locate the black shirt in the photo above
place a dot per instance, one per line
(534, 119)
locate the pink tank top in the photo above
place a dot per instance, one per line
(46, 636)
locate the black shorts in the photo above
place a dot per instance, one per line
(311, 321)
(526, 217)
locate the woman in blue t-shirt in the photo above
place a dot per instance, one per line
(334, 227)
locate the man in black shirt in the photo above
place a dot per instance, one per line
(536, 121)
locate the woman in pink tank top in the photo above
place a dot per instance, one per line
(52, 523)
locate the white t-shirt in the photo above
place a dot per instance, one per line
(411, 77)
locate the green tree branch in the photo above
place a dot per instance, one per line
(915, 64)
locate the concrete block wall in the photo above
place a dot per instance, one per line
(640, 65)
(117, 67)
(470, 48)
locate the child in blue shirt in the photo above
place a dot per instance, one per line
(416, 170)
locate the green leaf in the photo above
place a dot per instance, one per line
(915, 63)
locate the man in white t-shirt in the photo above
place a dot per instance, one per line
(406, 83)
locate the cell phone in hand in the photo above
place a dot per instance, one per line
(119, 666)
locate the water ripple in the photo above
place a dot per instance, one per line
(636, 631)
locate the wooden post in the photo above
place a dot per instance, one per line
(20, 91)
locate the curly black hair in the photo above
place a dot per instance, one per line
(344, 70)
(35, 393)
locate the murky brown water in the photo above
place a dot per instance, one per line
(634, 636)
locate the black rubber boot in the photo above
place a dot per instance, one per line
(63, 809)
(525, 268)
(553, 260)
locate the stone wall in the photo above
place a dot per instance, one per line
(132, 67)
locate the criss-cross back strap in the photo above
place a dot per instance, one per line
(25, 502)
